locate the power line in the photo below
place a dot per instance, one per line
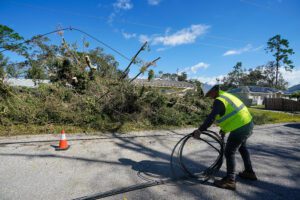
(104, 44)
(70, 29)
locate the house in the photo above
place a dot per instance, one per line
(167, 86)
(23, 82)
(164, 83)
(255, 95)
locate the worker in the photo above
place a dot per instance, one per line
(232, 116)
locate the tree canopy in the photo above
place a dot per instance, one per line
(281, 51)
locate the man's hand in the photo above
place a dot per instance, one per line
(196, 134)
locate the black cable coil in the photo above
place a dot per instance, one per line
(207, 173)
(201, 176)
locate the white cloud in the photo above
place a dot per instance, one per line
(123, 5)
(143, 38)
(118, 6)
(248, 47)
(258, 48)
(293, 77)
(183, 36)
(194, 69)
(128, 35)
(111, 18)
(212, 80)
(154, 2)
(162, 49)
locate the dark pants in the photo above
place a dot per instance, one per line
(237, 141)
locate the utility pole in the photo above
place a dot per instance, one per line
(146, 66)
(126, 71)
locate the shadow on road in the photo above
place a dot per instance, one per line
(297, 126)
(84, 159)
(269, 190)
(159, 167)
(149, 170)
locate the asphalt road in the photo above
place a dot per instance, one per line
(30, 168)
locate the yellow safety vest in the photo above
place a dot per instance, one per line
(236, 113)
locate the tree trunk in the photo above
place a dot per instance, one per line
(277, 68)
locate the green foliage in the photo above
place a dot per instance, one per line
(199, 91)
(9, 39)
(182, 76)
(235, 77)
(281, 50)
(36, 72)
(55, 104)
(264, 76)
(271, 117)
(3, 63)
(168, 76)
(12, 70)
(150, 74)
(296, 95)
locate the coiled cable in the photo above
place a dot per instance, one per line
(207, 173)
(177, 152)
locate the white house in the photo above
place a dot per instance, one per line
(255, 95)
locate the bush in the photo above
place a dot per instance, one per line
(98, 109)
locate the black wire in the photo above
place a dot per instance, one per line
(203, 176)
(69, 29)
(207, 173)
(104, 44)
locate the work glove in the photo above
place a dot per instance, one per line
(196, 134)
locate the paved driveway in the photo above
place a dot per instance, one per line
(31, 169)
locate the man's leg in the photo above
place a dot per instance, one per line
(245, 156)
(248, 173)
(234, 141)
(237, 140)
(232, 145)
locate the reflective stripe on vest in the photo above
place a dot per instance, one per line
(236, 113)
(236, 109)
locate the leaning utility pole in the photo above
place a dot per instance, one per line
(126, 71)
(144, 68)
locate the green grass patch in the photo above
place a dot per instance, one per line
(50, 108)
(34, 129)
(272, 117)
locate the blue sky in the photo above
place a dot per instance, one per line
(203, 38)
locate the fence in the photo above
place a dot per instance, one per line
(281, 104)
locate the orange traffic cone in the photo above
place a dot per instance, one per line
(63, 144)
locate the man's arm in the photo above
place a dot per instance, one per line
(217, 109)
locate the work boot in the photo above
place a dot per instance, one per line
(248, 175)
(226, 183)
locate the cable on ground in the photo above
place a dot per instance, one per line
(176, 161)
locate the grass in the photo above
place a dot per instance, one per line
(271, 117)
(260, 117)
(33, 129)
(50, 108)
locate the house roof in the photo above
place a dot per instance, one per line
(253, 89)
(23, 82)
(163, 83)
